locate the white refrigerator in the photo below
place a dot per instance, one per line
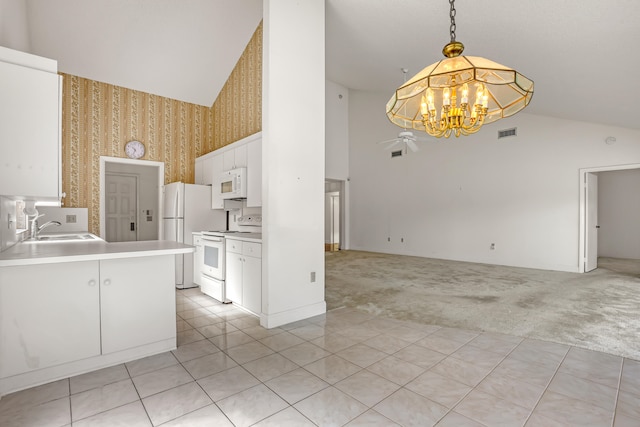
(187, 208)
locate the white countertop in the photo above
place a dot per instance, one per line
(249, 237)
(53, 252)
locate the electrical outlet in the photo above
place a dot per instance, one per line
(71, 219)
(492, 247)
(313, 276)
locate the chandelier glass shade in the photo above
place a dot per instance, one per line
(458, 94)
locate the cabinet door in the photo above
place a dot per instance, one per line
(199, 171)
(49, 315)
(207, 172)
(252, 284)
(198, 260)
(254, 173)
(137, 301)
(229, 160)
(29, 131)
(233, 278)
(240, 156)
(216, 170)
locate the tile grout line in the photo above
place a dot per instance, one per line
(483, 378)
(615, 407)
(548, 384)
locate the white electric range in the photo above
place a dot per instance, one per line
(212, 261)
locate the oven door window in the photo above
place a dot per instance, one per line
(211, 256)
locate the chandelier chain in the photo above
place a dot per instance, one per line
(452, 15)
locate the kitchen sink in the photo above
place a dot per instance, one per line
(81, 237)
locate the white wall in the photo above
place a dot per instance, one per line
(60, 214)
(455, 197)
(14, 29)
(337, 131)
(293, 138)
(619, 214)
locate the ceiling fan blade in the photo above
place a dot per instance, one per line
(393, 142)
(388, 140)
(414, 147)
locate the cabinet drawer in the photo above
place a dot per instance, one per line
(234, 246)
(252, 249)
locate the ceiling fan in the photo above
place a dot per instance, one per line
(406, 138)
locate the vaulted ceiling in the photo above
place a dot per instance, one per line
(180, 49)
(580, 53)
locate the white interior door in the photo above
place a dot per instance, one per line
(121, 208)
(591, 232)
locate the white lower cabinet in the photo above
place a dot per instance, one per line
(198, 259)
(62, 319)
(133, 307)
(233, 277)
(252, 284)
(244, 274)
(49, 315)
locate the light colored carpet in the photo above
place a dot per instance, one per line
(599, 310)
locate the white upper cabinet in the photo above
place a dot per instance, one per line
(216, 170)
(245, 153)
(30, 117)
(235, 158)
(199, 171)
(208, 172)
(254, 173)
(240, 156)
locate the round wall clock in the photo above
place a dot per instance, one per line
(134, 149)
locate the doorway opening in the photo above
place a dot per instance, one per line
(590, 216)
(335, 217)
(130, 199)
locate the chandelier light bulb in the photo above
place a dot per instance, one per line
(465, 94)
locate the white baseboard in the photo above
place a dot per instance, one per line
(278, 319)
(42, 376)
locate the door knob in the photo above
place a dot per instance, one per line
(92, 282)
(597, 226)
(107, 282)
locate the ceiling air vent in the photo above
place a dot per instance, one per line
(504, 133)
(397, 153)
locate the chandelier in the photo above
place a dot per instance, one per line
(458, 94)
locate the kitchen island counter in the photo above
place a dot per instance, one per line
(69, 307)
(26, 253)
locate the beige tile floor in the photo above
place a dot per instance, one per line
(344, 368)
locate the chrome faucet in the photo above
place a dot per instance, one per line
(35, 229)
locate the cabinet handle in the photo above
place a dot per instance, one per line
(92, 282)
(107, 282)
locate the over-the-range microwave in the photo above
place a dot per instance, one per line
(233, 184)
